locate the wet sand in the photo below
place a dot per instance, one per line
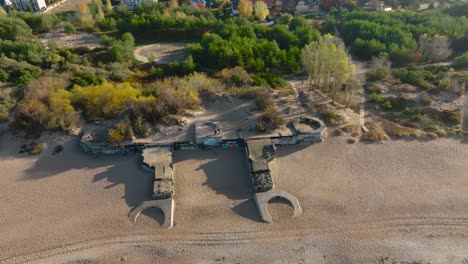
(362, 203)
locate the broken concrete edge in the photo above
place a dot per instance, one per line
(166, 206)
(262, 199)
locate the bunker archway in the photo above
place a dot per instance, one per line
(166, 206)
(262, 199)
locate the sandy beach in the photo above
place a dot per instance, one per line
(398, 202)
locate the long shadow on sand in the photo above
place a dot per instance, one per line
(227, 173)
(120, 170)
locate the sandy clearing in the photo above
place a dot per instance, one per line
(362, 202)
(77, 39)
(164, 53)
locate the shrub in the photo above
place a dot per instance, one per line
(31, 115)
(236, 76)
(272, 80)
(350, 128)
(124, 128)
(379, 68)
(447, 117)
(27, 75)
(461, 61)
(414, 76)
(7, 102)
(88, 79)
(432, 135)
(115, 137)
(413, 114)
(330, 115)
(269, 121)
(398, 130)
(35, 148)
(69, 27)
(157, 72)
(404, 88)
(264, 101)
(140, 127)
(436, 130)
(117, 72)
(372, 88)
(375, 133)
(106, 100)
(4, 76)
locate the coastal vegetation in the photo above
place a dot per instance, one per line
(51, 87)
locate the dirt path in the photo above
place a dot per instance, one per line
(465, 114)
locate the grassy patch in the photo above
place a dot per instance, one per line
(330, 115)
(395, 129)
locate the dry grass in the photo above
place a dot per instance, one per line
(330, 115)
(350, 128)
(404, 88)
(375, 133)
(395, 129)
(269, 121)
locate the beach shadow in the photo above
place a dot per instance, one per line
(248, 209)
(137, 182)
(120, 170)
(227, 173)
(48, 165)
(154, 213)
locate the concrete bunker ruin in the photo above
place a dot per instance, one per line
(260, 152)
(159, 161)
(157, 158)
(208, 133)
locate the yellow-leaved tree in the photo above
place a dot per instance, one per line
(106, 100)
(261, 10)
(245, 8)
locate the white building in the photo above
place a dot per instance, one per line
(5, 4)
(36, 5)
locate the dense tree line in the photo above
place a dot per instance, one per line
(154, 21)
(369, 34)
(238, 42)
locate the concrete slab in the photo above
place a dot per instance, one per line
(166, 205)
(262, 199)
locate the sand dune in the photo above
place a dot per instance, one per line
(363, 203)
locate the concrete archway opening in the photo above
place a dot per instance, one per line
(165, 205)
(152, 214)
(262, 200)
(280, 209)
